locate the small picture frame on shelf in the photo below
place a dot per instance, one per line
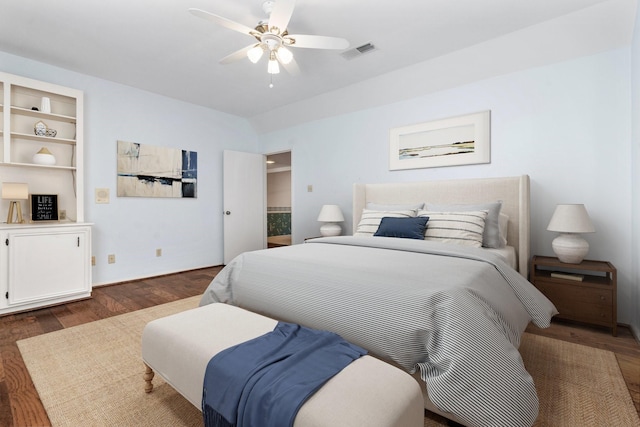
(44, 207)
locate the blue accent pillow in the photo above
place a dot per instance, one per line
(406, 228)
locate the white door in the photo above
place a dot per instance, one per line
(244, 203)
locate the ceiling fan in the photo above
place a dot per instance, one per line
(273, 37)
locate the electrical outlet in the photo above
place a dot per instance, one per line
(63, 214)
(111, 259)
(93, 260)
(158, 252)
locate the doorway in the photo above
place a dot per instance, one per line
(279, 199)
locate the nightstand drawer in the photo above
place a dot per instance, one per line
(579, 303)
(590, 300)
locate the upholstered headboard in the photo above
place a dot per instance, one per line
(512, 191)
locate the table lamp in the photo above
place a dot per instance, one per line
(15, 191)
(570, 221)
(331, 215)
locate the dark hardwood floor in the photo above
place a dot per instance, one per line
(20, 405)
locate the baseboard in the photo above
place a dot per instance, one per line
(635, 332)
(166, 273)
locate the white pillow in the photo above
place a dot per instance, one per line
(491, 238)
(370, 220)
(461, 228)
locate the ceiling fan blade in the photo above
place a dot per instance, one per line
(317, 42)
(222, 21)
(281, 14)
(237, 55)
(292, 67)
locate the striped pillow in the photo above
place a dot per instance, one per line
(370, 220)
(462, 228)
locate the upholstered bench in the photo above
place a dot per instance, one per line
(368, 392)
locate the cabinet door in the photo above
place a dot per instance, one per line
(45, 265)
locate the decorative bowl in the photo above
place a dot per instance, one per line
(44, 157)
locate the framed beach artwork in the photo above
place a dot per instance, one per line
(460, 140)
(149, 171)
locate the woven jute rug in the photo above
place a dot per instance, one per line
(91, 375)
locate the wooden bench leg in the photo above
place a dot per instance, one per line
(148, 378)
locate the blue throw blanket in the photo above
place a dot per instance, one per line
(264, 382)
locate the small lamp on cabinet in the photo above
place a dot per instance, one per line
(570, 221)
(331, 215)
(14, 192)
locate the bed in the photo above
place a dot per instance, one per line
(450, 314)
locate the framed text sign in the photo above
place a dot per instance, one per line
(44, 207)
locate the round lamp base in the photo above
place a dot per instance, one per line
(570, 248)
(330, 229)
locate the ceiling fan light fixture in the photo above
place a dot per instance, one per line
(273, 67)
(272, 37)
(255, 53)
(284, 55)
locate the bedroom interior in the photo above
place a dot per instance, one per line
(561, 85)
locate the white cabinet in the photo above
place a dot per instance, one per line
(44, 265)
(43, 262)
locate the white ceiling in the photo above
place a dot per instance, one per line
(156, 45)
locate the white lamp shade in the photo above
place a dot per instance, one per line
(15, 191)
(330, 213)
(255, 53)
(284, 55)
(570, 221)
(272, 65)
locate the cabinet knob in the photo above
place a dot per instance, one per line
(227, 212)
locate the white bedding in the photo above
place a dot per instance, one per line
(454, 313)
(508, 253)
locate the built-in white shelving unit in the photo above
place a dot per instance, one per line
(43, 262)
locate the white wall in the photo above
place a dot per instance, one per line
(635, 161)
(279, 189)
(566, 125)
(189, 231)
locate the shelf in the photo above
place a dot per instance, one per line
(589, 279)
(589, 265)
(64, 244)
(33, 165)
(41, 115)
(20, 109)
(34, 137)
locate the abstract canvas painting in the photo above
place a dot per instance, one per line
(150, 171)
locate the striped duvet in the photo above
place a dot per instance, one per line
(454, 313)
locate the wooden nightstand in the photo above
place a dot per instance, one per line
(592, 300)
